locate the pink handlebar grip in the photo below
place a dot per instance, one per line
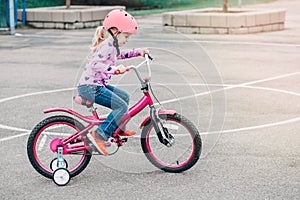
(117, 72)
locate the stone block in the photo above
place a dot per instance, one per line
(282, 15)
(49, 25)
(274, 17)
(281, 26)
(267, 28)
(69, 26)
(275, 27)
(262, 18)
(20, 15)
(238, 30)
(86, 15)
(188, 30)
(218, 20)
(167, 19)
(42, 16)
(71, 16)
(57, 16)
(169, 28)
(59, 25)
(180, 20)
(208, 31)
(37, 24)
(221, 30)
(250, 19)
(89, 24)
(30, 16)
(99, 14)
(79, 25)
(255, 29)
(236, 21)
(197, 19)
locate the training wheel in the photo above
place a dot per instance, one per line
(54, 166)
(61, 176)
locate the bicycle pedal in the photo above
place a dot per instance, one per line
(93, 149)
(124, 139)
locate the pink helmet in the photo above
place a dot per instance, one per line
(122, 20)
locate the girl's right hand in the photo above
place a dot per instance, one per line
(121, 69)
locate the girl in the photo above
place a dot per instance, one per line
(93, 84)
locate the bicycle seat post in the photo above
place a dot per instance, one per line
(93, 110)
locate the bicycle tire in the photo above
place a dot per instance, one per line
(36, 133)
(173, 166)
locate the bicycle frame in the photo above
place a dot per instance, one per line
(95, 120)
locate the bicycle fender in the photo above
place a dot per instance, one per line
(160, 112)
(58, 109)
(69, 111)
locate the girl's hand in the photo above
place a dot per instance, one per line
(121, 69)
(144, 51)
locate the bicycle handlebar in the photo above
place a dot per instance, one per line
(147, 54)
(135, 68)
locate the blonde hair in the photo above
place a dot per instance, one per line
(99, 36)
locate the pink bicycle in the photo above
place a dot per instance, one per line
(59, 149)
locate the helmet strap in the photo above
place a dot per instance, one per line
(115, 42)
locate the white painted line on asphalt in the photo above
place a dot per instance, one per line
(254, 127)
(187, 40)
(12, 128)
(289, 121)
(34, 93)
(13, 137)
(227, 87)
(27, 132)
(231, 87)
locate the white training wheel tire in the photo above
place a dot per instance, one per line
(61, 176)
(53, 164)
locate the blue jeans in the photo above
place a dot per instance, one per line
(110, 97)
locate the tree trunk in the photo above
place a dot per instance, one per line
(68, 4)
(225, 6)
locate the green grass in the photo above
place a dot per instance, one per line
(41, 3)
(196, 5)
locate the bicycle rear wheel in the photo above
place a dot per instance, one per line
(38, 145)
(184, 151)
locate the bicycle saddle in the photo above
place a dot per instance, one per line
(82, 101)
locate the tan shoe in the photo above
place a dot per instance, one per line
(128, 133)
(98, 143)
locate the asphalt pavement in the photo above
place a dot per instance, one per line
(241, 91)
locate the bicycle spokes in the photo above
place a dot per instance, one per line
(167, 154)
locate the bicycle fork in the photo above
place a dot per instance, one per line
(169, 140)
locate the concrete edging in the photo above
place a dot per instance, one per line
(76, 17)
(214, 21)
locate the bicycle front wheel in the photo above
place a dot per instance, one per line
(184, 149)
(38, 146)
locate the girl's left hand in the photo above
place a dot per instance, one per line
(144, 51)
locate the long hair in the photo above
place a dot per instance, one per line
(98, 38)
